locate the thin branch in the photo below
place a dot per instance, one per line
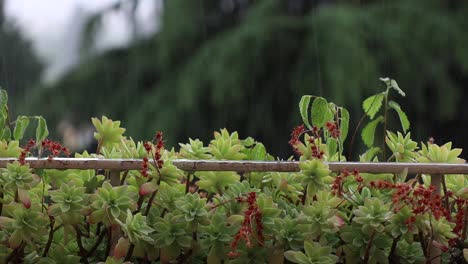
(51, 237)
(83, 253)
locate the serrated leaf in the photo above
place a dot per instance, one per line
(22, 123)
(304, 109)
(372, 104)
(395, 86)
(405, 124)
(41, 131)
(368, 133)
(319, 111)
(344, 124)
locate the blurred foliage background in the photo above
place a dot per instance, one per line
(244, 64)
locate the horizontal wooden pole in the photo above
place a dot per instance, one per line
(242, 166)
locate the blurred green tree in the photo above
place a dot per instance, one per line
(245, 64)
(20, 68)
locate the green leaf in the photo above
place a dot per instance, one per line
(319, 111)
(6, 133)
(405, 124)
(3, 97)
(372, 104)
(395, 86)
(332, 146)
(344, 124)
(41, 131)
(303, 108)
(296, 257)
(22, 123)
(368, 132)
(259, 152)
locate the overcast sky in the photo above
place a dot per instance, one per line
(51, 25)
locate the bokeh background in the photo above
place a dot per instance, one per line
(188, 67)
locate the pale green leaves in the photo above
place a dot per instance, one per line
(368, 133)
(304, 109)
(405, 124)
(373, 104)
(21, 124)
(320, 112)
(41, 131)
(392, 84)
(314, 254)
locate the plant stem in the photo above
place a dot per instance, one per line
(384, 151)
(187, 183)
(51, 237)
(391, 256)
(423, 243)
(80, 245)
(129, 252)
(1, 204)
(109, 241)
(446, 199)
(97, 243)
(350, 148)
(150, 202)
(124, 177)
(368, 247)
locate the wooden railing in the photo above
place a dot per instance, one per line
(242, 166)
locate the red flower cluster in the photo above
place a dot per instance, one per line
(316, 152)
(422, 199)
(159, 142)
(26, 150)
(460, 216)
(337, 186)
(295, 134)
(333, 129)
(245, 232)
(55, 148)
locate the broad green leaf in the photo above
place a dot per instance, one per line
(372, 104)
(319, 111)
(304, 109)
(395, 86)
(3, 97)
(344, 124)
(368, 133)
(41, 131)
(332, 146)
(6, 133)
(405, 124)
(22, 123)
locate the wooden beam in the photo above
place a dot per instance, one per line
(242, 166)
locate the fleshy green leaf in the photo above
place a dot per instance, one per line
(319, 111)
(368, 133)
(405, 124)
(304, 109)
(372, 104)
(22, 123)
